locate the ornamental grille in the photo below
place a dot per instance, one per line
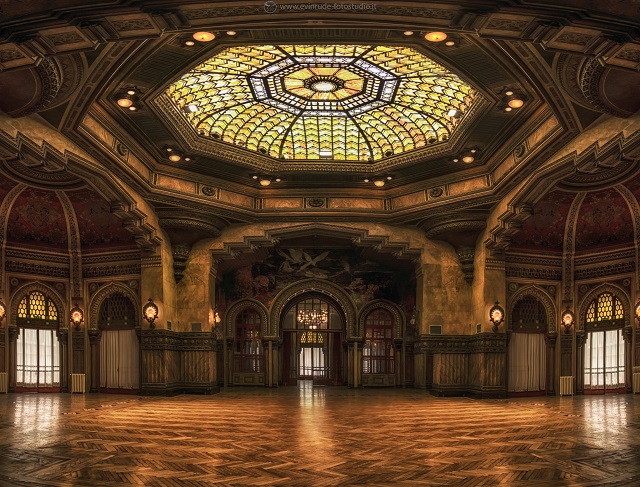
(117, 311)
(37, 307)
(529, 315)
(310, 337)
(604, 308)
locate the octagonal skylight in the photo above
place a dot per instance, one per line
(339, 102)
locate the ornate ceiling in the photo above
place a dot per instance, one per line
(325, 103)
(332, 102)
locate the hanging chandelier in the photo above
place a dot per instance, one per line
(313, 318)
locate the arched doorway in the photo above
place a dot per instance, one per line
(119, 345)
(604, 357)
(37, 348)
(527, 358)
(313, 330)
(248, 351)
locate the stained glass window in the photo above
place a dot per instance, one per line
(37, 306)
(605, 307)
(339, 102)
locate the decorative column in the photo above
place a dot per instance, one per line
(628, 356)
(94, 343)
(63, 339)
(228, 361)
(550, 339)
(580, 339)
(13, 338)
(399, 362)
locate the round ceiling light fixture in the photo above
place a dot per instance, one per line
(408, 32)
(125, 102)
(204, 36)
(450, 43)
(231, 32)
(264, 181)
(515, 102)
(435, 36)
(189, 43)
(379, 182)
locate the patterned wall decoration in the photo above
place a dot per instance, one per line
(544, 230)
(5, 186)
(99, 228)
(37, 219)
(634, 186)
(363, 279)
(604, 220)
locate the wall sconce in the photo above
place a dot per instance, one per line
(637, 311)
(3, 311)
(77, 317)
(568, 319)
(150, 313)
(496, 316)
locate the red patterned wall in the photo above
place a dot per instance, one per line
(37, 219)
(544, 230)
(5, 186)
(99, 228)
(604, 220)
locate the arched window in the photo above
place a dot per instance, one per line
(378, 350)
(38, 354)
(117, 311)
(604, 310)
(604, 347)
(37, 309)
(248, 351)
(529, 315)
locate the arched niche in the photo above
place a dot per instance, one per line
(103, 293)
(396, 312)
(27, 289)
(236, 308)
(321, 288)
(541, 296)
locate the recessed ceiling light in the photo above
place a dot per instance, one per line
(125, 102)
(187, 159)
(456, 160)
(131, 92)
(450, 43)
(507, 109)
(133, 108)
(468, 158)
(231, 32)
(508, 93)
(255, 176)
(516, 103)
(366, 180)
(278, 180)
(435, 36)
(389, 178)
(204, 36)
(408, 32)
(175, 157)
(189, 43)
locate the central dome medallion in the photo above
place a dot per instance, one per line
(340, 102)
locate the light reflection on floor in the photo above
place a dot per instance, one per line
(321, 436)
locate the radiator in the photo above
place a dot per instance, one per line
(566, 385)
(636, 383)
(77, 383)
(4, 382)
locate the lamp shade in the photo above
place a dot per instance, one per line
(76, 317)
(496, 315)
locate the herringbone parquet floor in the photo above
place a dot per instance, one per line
(318, 437)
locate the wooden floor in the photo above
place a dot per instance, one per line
(318, 437)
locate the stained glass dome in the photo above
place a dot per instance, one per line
(338, 102)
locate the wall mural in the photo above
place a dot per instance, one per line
(363, 279)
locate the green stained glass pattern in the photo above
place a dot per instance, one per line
(338, 102)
